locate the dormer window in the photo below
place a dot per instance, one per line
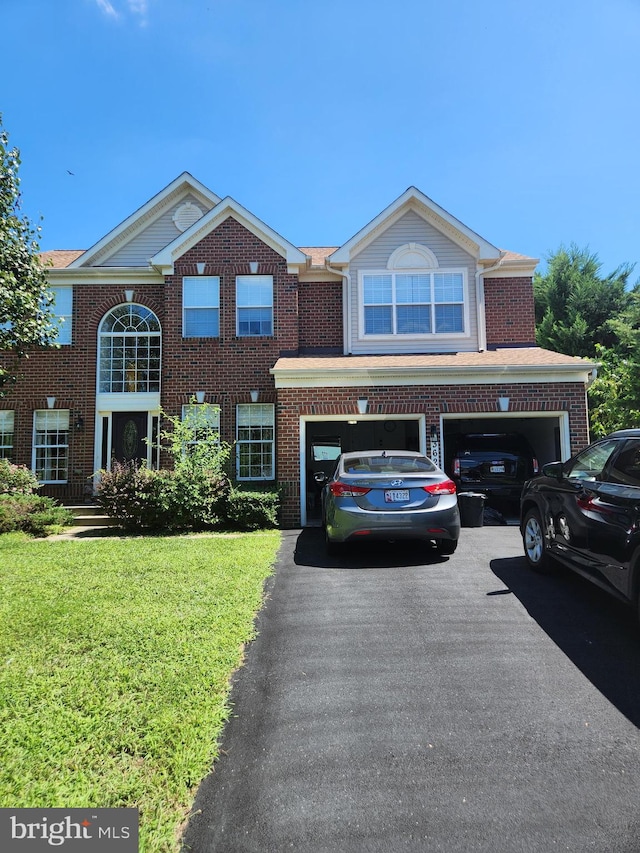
(413, 296)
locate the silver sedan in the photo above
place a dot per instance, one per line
(392, 494)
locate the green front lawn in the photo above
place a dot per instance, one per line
(115, 658)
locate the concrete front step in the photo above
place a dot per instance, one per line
(90, 515)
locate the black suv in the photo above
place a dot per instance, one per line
(496, 464)
(585, 513)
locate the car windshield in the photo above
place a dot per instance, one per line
(388, 465)
(590, 464)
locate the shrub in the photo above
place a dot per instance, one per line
(139, 498)
(135, 496)
(252, 510)
(32, 514)
(195, 495)
(16, 479)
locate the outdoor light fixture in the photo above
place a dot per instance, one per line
(128, 295)
(433, 430)
(255, 394)
(200, 396)
(51, 402)
(78, 424)
(503, 404)
(363, 404)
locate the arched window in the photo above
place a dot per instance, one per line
(129, 350)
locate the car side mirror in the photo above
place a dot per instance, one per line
(553, 469)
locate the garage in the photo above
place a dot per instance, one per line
(323, 439)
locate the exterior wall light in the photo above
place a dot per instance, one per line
(78, 424)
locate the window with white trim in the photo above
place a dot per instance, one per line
(255, 445)
(51, 445)
(6, 434)
(204, 420)
(129, 344)
(254, 305)
(201, 306)
(62, 308)
(413, 303)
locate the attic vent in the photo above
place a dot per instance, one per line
(186, 215)
(412, 256)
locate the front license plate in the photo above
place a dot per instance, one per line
(396, 496)
(497, 469)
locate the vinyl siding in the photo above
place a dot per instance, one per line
(411, 228)
(161, 232)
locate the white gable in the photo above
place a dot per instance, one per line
(153, 226)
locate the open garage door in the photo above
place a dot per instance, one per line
(325, 440)
(545, 435)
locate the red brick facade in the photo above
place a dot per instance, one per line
(307, 320)
(509, 311)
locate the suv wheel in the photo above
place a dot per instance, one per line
(535, 546)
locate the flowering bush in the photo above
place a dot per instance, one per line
(16, 479)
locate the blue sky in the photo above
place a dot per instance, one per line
(521, 119)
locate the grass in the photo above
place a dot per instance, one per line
(115, 659)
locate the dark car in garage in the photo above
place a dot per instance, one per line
(585, 514)
(495, 464)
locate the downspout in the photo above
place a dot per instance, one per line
(482, 318)
(346, 302)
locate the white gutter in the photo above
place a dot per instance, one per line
(346, 302)
(480, 306)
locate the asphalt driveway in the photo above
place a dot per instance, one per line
(395, 700)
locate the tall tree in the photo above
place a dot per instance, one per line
(614, 396)
(576, 306)
(26, 320)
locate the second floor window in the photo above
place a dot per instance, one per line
(415, 303)
(201, 306)
(62, 308)
(254, 305)
(129, 350)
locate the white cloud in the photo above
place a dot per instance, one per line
(107, 8)
(138, 8)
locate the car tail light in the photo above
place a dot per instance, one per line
(456, 467)
(343, 490)
(536, 467)
(447, 487)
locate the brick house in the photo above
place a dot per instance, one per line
(413, 330)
